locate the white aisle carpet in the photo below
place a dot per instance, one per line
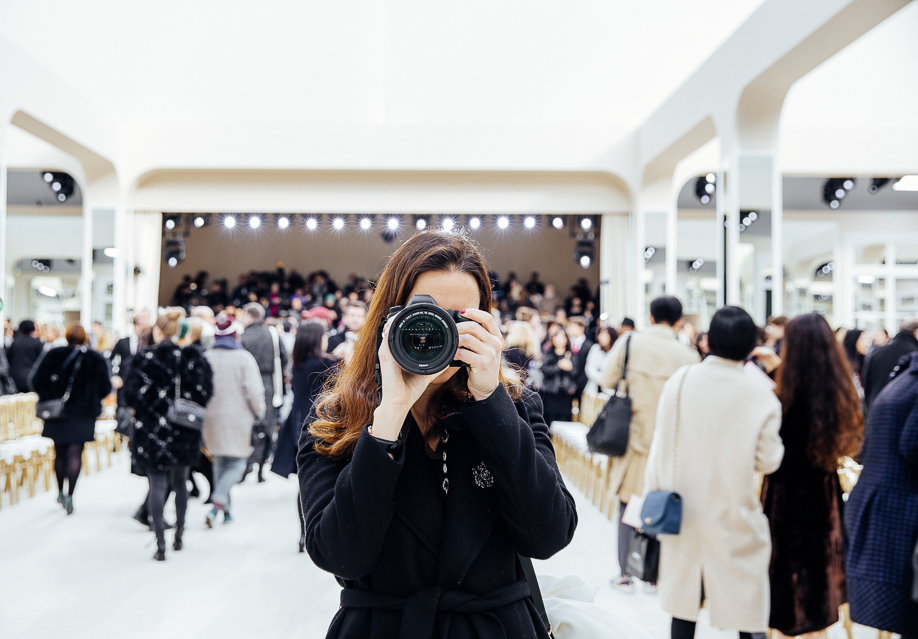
(92, 576)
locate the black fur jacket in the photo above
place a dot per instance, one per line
(157, 444)
(90, 385)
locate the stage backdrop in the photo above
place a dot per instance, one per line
(227, 254)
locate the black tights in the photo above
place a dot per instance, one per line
(683, 629)
(160, 483)
(68, 462)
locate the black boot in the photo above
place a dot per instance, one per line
(160, 548)
(177, 544)
(143, 516)
(303, 542)
(261, 468)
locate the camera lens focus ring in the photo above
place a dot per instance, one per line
(423, 339)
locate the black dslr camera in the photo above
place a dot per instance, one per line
(424, 337)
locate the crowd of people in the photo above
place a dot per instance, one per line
(254, 364)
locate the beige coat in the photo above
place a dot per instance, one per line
(729, 425)
(237, 403)
(655, 355)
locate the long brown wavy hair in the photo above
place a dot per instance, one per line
(352, 395)
(815, 377)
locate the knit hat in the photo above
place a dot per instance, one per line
(226, 325)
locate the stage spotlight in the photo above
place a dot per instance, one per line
(753, 216)
(447, 223)
(48, 177)
(649, 252)
(848, 184)
(558, 222)
(392, 224)
(834, 190)
(421, 222)
(283, 222)
(311, 223)
(503, 222)
(55, 186)
(876, 184)
(584, 253)
(338, 223)
(705, 187)
(586, 223)
(229, 221)
(366, 223)
(171, 222)
(174, 251)
(474, 223)
(254, 221)
(201, 220)
(529, 222)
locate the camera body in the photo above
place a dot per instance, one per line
(424, 336)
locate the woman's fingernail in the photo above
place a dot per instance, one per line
(462, 311)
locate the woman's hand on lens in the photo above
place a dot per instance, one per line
(480, 346)
(400, 391)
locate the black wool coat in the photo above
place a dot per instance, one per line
(91, 385)
(880, 364)
(157, 444)
(22, 355)
(418, 562)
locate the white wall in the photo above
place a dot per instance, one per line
(229, 254)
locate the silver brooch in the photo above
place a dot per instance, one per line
(483, 476)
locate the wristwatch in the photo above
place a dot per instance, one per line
(391, 447)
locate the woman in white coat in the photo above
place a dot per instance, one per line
(728, 420)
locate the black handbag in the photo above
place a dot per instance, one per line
(184, 413)
(643, 557)
(612, 428)
(50, 409)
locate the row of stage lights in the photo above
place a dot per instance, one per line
(390, 223)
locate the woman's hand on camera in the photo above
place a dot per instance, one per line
(565, 364)
(480, 346)
(400, 391)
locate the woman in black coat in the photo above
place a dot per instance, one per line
(87, 370)
(558, 383)
(162, 450)
(311, 370)
(420, 501)
(881, 516)
(821, 422)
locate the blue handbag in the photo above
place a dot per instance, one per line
(661, 513)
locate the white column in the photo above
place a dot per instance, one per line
(720, 206)
(3, 287)
(119, 273)
(129, 263)
(86, 318)
(640, 243)
(732, 186)
(777, 238)
(672, 249)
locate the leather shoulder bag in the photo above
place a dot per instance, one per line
(662, 511)
(184, 413)
(53, 408)
(610, 432)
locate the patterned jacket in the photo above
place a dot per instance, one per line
(157, 444)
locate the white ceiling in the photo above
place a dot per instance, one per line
(514, 63)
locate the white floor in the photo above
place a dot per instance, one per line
(91, 575)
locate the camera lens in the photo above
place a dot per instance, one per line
(422, 339)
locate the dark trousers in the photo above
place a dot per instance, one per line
(160, 484)
(624, 536)
(682, 629)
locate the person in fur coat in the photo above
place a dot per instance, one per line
(161, 449)
(803, 500)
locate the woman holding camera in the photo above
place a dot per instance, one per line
(419, 499)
